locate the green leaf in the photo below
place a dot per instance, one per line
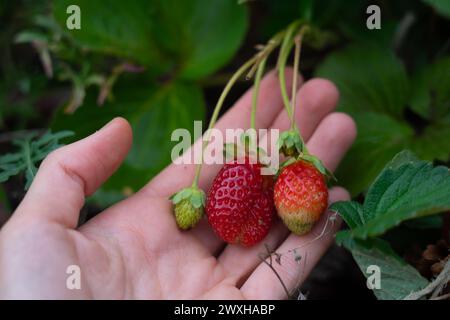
(154, 111)
(369, 78)
(398, 279)
(31, 151)
(379, 138)
(431, 100)
(406, 189)
(413, 190)
(441, 6)
(401, 158)
(188, 38)
(201, 34)
(430, 95)
(121, 28)
(374, 90)
(433, 144)
(351, 211)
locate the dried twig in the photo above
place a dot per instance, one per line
(442, 278)
(270, 265)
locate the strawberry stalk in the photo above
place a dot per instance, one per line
(298, 46)
(256, 86)
(291, 142)
(250, 141)
(281, 64)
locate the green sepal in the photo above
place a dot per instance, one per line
(234, 151)
(290, 143)
(286, 163)
(198, 199)
(316, 162)
(194, 194)
(180, 195)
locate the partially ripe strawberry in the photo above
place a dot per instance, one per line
(240, 203)
(301, 196)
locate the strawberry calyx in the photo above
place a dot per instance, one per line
(195, 195)
(290, 143)
(246, 148)
(313, 160)
(233, 151)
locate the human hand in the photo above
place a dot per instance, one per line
(134, 248)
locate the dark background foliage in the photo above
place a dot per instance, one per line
(162, 64)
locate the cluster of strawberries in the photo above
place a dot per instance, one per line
(241, 202)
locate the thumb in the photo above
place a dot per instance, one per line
(74, 171)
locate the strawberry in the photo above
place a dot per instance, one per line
(240, 203)
(186, 215)
(188, 207)
(301, 196)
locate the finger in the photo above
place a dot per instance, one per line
(330, 142)
(297, 257)
(269, 105)
(72, 172)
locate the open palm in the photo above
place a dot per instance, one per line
(134, 249)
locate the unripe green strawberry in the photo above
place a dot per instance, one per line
(189, 205)
(301, 196)
(186, 215)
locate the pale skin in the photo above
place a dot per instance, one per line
(133, 250)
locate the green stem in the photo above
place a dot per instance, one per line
(256, 86)
(282, 58)
(217, 109)
(266, 51)
(298, 45)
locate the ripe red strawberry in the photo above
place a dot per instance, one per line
(301, 196)
(240, 203)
